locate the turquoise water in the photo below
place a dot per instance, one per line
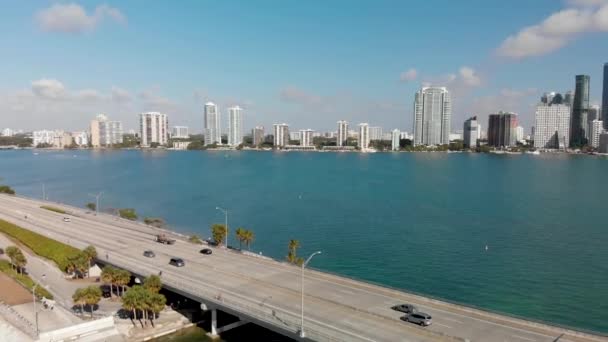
(418, 222)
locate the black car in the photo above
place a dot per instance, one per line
(149, 254)
(206, 251)
(105, 291)
(405, 308)
(177, 262)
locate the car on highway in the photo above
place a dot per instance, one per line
(405, 308)
(177, 262)
(421, 318)
(206, 251)
(149, 254)
(67, 219)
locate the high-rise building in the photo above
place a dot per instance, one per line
(213, 133)
(342, 133)
(43, 137)
(432, 116)
(603, 148)
(519, 133)
(363, 136)
(95, 133)
(595, 129)
(502, 129)
(235, 126)
(257, 135)
(153, 128)
(180, 132)
(105, 132)
(470, 132)
(80, 138)
(281, 134)
(396, 134)
(294, 136)
(569, 98)
(375, 133)
(551, 128)
(306, 136)
(580, 110)
(604, 108)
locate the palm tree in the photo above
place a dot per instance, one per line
(18, 260)
(90, 253)
(240, 233)
(92, 296)
(292, 254)
(153, 283)
(157, 303)
(248, 238)
(107, 276)
(218, 231)
(79, 299)
(130, 301)
(122, 279)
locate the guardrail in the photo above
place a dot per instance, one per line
(17, 319)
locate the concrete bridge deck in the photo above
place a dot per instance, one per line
(267, 292)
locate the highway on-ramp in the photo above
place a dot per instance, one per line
(268, 291)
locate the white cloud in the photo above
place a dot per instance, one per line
(120, 95)
(88, 95)
(73, 18)
(297, 95)
(48, 88)
(409, 75)
(557, 30)
(466, 77)
(469, 76)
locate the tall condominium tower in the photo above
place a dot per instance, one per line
(580, 110)
(502, 129)
(375, 133)
(105, 132)
(395, 135)
(235, 126)
(154, 128)
(281, 134)
(213, 133)
(595, 129)
(257, 135)
(552, 125)
(363, 136)
(604, 108)
(432, 116)
(470, 133)
(342, 133)
(306, 137)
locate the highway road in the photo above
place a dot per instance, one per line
(337, 308)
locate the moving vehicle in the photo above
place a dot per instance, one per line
(206, 251)
(162, 238)
(421, 318)
(67, 219)
(405, 308)
(149, 254)
(177, 262)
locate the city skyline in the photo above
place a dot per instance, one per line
(503, 72)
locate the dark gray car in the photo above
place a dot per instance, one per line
(177, 262)
(405, 308)
(149, 254)
(421, 318)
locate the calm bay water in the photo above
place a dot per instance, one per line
(418, 222)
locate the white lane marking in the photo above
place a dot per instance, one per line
(453, 320)
(523, 338)
(443, 325)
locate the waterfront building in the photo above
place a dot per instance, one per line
(595, 129)
(432, 116)
(235, 126)
(551, 128)
(257, 135)
(375, 133)
(62, 139)
(7, 132)
(212, 132)
(80, 138)
(281, 134)
(306, 137)
(455, 136)
(180, 132)
(580, 110)
(396, 134)
(342, 133)
(153, 128)
(295, 136)
(94, 129)
(105, 132)
(604, 109)
(363, 136)
(603, 148)
(406, 135)
(501, 129)
(181, 145)
(519, 133)
(470, 132)
(43, 137)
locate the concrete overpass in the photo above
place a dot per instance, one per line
(267, 292)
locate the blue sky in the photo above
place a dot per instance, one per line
(307, 63)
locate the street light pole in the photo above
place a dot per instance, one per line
(97, 201)
(226, 225)
(302, 334)
(35, 310)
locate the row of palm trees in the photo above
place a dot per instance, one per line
(245, 236)
(81, 262)
(115, 277)
(145, 301)
(89, 296)
(18, 259)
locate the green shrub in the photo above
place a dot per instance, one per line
(128, 213)
(57, 210)
(23, 279)
(5, 189)
(41, 245)
(195, 239)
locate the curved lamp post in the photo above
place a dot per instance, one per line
(302, 334)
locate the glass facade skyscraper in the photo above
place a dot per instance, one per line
(604, 109)
(580, 110)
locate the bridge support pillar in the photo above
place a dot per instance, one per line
(215, 331)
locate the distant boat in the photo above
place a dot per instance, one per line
(35, 153)
(533, 152)
(486, 247)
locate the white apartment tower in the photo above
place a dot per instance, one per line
(153, 128)
(396, 134)
(432, 116)
(363, 136)
(180, 132)
(258, 135)
(306, 137)
(235, 126)
(105, 132)
(552, 126)
(342, 133)
(213, 133)
(595, 129)
(375, 133)
(281, 134)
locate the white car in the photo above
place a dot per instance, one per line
(66, 219)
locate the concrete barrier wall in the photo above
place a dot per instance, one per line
(76, 331)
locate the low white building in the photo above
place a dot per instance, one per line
(80, 138)
(181, 145)
(595, 129)
(7, 132)
(180, 132)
